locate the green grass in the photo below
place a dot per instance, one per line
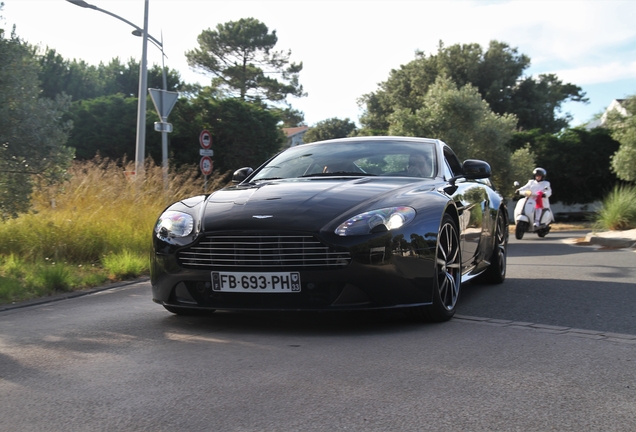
(618, 211)
(125, 265)
(58, 277)
(23, 280)
(94, 228)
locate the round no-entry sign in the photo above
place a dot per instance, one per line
(206, 165)
(205, 139)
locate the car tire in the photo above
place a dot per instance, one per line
(448, 275)
(188, 311)
(496, 272)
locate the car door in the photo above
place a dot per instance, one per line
(472, 200)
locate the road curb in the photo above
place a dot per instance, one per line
(69, 295)
(612, 240)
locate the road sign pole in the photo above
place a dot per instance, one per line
(164, 156)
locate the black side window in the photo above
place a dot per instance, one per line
(452, 161)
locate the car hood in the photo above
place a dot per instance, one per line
(302, 204)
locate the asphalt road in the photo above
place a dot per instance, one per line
(553, 348)
(550, 281)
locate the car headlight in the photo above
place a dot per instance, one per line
(374, 221)
(174, 224)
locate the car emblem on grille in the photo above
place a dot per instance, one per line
(262, 216)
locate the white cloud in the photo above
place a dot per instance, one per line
(614, 71)
(569, 31)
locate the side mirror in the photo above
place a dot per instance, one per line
(473, 169)
(476, 169)
(241, 174)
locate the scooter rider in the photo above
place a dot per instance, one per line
(540, 189)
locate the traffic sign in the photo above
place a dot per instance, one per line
(205, 139)
(163, 127)
(206, 165)
(206, 152)
(164, 101)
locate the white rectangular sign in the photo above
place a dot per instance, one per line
(245, 282)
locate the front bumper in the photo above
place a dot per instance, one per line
(399, 282)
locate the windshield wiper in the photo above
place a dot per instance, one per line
(265, 179)
(339, 174)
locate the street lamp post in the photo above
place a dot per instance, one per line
(140, 149)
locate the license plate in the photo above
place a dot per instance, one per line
(284, 282)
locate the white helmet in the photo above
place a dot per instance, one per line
(539, 171)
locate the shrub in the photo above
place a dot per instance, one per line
(125, 265)
(56, 277)
(618, 211)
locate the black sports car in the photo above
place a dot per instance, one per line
(346, 224)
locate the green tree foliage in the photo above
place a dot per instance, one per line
(497, 73)
(83, 81)
(243, 134)
(76, 78)
(462, 119)
(623, 129)
(537, 101)
(104, 111)
(32, 133)
(241, 58)
(289, 116)
(522, 162)
(105, 125)
(577, 162)
(330, 129)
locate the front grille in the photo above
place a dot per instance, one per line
(262, 251)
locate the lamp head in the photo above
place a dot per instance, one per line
(81, 3)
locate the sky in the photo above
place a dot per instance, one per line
(348, 47)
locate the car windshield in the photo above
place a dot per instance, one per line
(356, 158)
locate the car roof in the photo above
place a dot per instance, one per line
(380, 138)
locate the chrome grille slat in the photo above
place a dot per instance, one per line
(262, 251)
(289, 258)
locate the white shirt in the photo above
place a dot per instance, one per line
(535, 186)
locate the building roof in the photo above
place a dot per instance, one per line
(615, 105)
(290, 132)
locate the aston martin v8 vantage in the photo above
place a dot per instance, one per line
(345, 224)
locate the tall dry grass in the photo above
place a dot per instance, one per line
(98, 211)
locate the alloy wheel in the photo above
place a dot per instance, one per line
(501, 241)
(448, 266)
